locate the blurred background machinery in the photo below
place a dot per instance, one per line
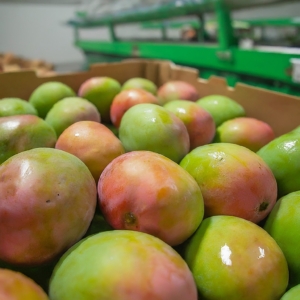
(218, 37)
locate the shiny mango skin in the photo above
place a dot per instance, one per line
(101, 92)
(69, 111)
(122, 265)
(16, 106)
(199, 123)
(283, 225)
(176, 90)
(232, 258)
(221, 108)
(153, 128)
(140, 83)
(23, 132)
(126, 99)
(248, 132)
(16, 286)
(47, 201)
(233, 180)
(292, 294)
(282, 155)
(47, 94)
(145, 191)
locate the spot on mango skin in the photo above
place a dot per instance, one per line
(263, 206)
(130, 220)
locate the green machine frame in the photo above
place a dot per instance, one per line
(264, 67)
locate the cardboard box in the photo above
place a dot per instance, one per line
(281, 111)
(12, 63)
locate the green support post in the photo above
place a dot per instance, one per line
(112, 32)
(201, 29)
(164, 31)
(225, 30)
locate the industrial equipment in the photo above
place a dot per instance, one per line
(240, 50)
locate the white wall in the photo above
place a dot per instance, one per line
(280, 10)
(37, 31)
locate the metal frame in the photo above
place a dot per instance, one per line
(260, 64)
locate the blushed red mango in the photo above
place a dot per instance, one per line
(126, 99)
(101, 92)
(234, 181)
(199, 123)
(177, 90)
(248, 132)
(91, 142)
(17, 286)
(47, 202)
(147, 192)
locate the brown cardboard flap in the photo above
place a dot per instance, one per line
(21, 84)
(119, 71)
(281, 111)
(151, 72)
(184, 73)
(157, 71)
(164, 74)
(213, 86)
